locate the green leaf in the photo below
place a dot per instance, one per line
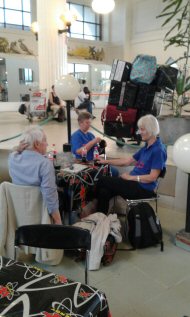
(180, 84)
(170, 18)
(169, 6)
(186, 88)
(170, 30)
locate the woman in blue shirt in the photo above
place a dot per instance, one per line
(149, 161)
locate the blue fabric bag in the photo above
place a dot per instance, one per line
(143, 69)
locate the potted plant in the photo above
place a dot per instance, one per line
(178, 12)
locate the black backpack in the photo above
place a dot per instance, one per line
(144, 227)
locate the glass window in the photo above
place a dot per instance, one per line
(89, 37)
(89, 16)
(78, 9)
(26, 5)
(88, 23)
(27, 19)
(15, 14)
(25, 75)
(1, 16)
(13, 17)
(89, 29)
(81, 68)
(15, 5)
(77, 27)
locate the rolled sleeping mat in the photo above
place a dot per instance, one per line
(4, 171)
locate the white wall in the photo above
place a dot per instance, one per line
(147, 34)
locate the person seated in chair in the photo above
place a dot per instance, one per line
(29, 166)
(55, 104)
(82, 137)
(149, 161)
(83, 101)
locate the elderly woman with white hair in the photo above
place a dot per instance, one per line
(149, 161)
(29, 166)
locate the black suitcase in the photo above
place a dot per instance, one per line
(120, 70)
(128, 96)
(119, 130)
(115, 91)
(145, 97)
(166, 77)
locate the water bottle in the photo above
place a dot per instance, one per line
(52, 153)
(84, 154)
(68, 158)
(95, 154)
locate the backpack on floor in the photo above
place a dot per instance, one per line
(144, 227)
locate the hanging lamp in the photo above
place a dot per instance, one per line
(103, 6)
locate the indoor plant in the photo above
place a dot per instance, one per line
(178, 12)
(178, 35)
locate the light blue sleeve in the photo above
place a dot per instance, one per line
(48, 186)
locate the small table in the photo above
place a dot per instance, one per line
(26, 291)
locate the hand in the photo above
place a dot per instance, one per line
(101, 161)
(21, 147)
(98, 140)
(56, 218)
(125, 176)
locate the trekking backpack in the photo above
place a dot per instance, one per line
(144, 227)
(143, 69)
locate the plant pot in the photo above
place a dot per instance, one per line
(172, 128)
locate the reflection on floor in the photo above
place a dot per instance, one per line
(142, 283)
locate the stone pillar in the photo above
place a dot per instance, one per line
(52, 47)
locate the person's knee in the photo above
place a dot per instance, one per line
(102, 181)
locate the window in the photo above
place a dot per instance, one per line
(25, 75)
(88, 23)
(80, 72)
(15, 14)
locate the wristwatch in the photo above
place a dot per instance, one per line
(138, 178)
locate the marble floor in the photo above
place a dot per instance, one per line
(141, 283)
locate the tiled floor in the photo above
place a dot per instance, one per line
(142, 283)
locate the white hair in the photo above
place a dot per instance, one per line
(150, 123)
(31, 135)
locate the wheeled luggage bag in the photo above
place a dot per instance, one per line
(145, 97)
(119, 123)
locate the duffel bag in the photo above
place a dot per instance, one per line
(143, 69)
(166, 77)
(113, 114)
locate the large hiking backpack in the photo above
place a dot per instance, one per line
(143, 69)
(144, 227)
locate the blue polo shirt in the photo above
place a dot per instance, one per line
(148, 158)
(78, 139)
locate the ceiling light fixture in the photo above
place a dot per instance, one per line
(103, 7)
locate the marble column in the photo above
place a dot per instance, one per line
(52, 48)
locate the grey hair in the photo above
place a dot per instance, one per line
(31, 135)
(150, 123)
(84, 115)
